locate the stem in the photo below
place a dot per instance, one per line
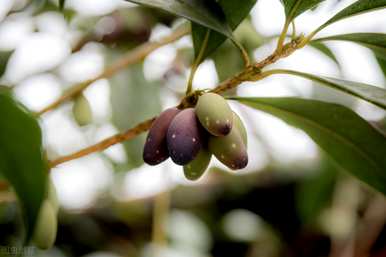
(134, 56)
(197, 62)
(160, 215)
(293, 30)
(282, 37)
(244, 53)
(129, 134)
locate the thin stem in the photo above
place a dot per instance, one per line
(244, 53)
(282, 37)
(106, 143)
(197, 62)
(160, 215)
(134, 56)
(293, 35)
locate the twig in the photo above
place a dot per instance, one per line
(106, 143)
(133, 56)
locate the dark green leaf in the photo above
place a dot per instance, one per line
(203, 12)
(372, 94)
(22, 160)
(61, 4)
(374, 41)
(359, 7)
(4, 56)
(133, 100)
(294, 8)
(234, 11)
(382, 65)
(324, 50)
(347, 138)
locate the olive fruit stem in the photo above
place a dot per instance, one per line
(244, 53)
(131, 57)
(197, 62)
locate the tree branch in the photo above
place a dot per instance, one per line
(251, 73)
(134, 56)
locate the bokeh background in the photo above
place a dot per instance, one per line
(291, 200)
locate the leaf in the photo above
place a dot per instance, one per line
(325, 50)
(234, 11)
(4, 57)
(374, 41)
(357, 8)
(382, 65)
(346, 137)
(22, 160)
(61, 4)
(133, 100)
(294, 8)
(203, 12)
(372, 94)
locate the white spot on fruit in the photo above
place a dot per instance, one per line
(193, 139)
(222, 156)
(217, 122)
(233, 145)
(174, 136)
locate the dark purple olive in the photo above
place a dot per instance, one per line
(155, 150)
(185, 137)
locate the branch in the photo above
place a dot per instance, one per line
(251, 73)
(106, 143)
(134, 56)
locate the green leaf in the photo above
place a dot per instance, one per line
(234, 11)
(61, 4)
(382, 65)
(22, 160)
(372, 94)
(4, 57)
(374, 41)
(294, 8)
(203, 12)
(357, 8)
(325, 50)
(133, 100)
(346, 137)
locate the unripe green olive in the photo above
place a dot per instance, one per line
(52, 196)
(238, 123)
(46, 227)
(230, 149)
(214, 114)
(196, 168)
(82, 111)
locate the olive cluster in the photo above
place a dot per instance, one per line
(47, 223)
(192, 135)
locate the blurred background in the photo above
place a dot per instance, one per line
(291, 200)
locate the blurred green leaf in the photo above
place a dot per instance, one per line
(22, 160)
(234, 11)
(133, 100)
(203, 12)
(346, 137)
(294, 8)
(325, 50)
(315, 192)
(4, 57)
(359, 7)
(374, 41)
(382, 65)
(61, 4)
(372, 94)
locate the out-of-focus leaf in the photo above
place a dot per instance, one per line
(382, 65)
(61, 4)
(4, 57)
(294, 8)
(346, 137)
(22, 160)
(374, 41)
(82, 111)
(372, 94)
(315, 192)
(234, 11)
(325, 50)
(203, 12)
(358, 7)
(133, 100)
